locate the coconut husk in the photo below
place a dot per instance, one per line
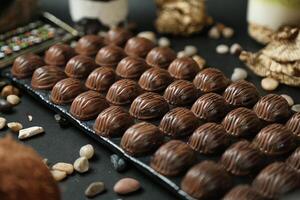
(23, 175)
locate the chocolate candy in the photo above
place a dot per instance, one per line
(149, 106)
(160, 57)
(274, 139)
(206, 180)
(101, 79)
(110, 56)
(294, 160)
(211, 80)
(141, 138)
(88, 105)
(112, 122)
(59, 54)
(118, 36)
(123, 92)
(66, 90)
(89, 45)
(241, 122)
(243, 192)
(241, 158)
(155, 79)
(25, 65)
(131, 67)
(209, 138)
(80, 67)
(294, 124)
(272, 108)
(138, 46)
(274, 180)
(46, 77)
(183, 68)
(178, 122)
(172, 158)
(241, 94)
(181, 93)
(210, 107)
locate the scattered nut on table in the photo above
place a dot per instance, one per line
(29, 132)
(65, 167)
(2, 122)
(87, 151)
(58, 175)
(289, 99)
(200, 61)
(236, 49)
(227, 32)
(296, 108)
(148, 35)
(190, 50)
(222, 49)
(164, 42)
(181, 54)
(94, 189)
(13, 99)
(14, 126)
(126, 186)
(269, 84)
(214, 33)
(81, 165)
(8, 90)
(239, 74)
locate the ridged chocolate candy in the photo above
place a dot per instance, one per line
(272, 108)
(46, 77)
(274, 139)
(59, 54)
(89, 45)
(123, 92)
(241, 158)
(149, 106)
(184, 68)
(118, 36)
(113, 122)
(181, 93)
(138, 46)
(131, 67)
(141, 138)
(110, 56)
(178, 122)
(160, 57)
(243, 192)
(275, 180)
(25, 65)
(155, 79)
(210, 107)
(101, 79)
(80, 67)
(241, 94)
(241, 122)
(66, 90)
(173, 158)
(294, 124)
(206, 180)
(88, 105)
(209, 138)
(211, 80)
(294, 160)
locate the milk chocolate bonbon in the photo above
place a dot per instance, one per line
(80, 67)
(25, 65)
(160, 57)
(59, 54)
(101, 79)
(89, 45)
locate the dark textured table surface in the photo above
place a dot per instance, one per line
(63, 144)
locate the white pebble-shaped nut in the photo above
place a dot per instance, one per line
(181, 54)
(13, 99)
(29, 132)
(227, 32)
(81, 165)
(214, 33)
(190, 50)
(288, 98)
(148, 35)
(87, 151)
(296, 108)
(269, 83)
(200, 61)
(58, 175)
(2, 122)
(235, 49)
(164, 42)
(239, 74)
(14, 126)
(222, 49)
(65, 167)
